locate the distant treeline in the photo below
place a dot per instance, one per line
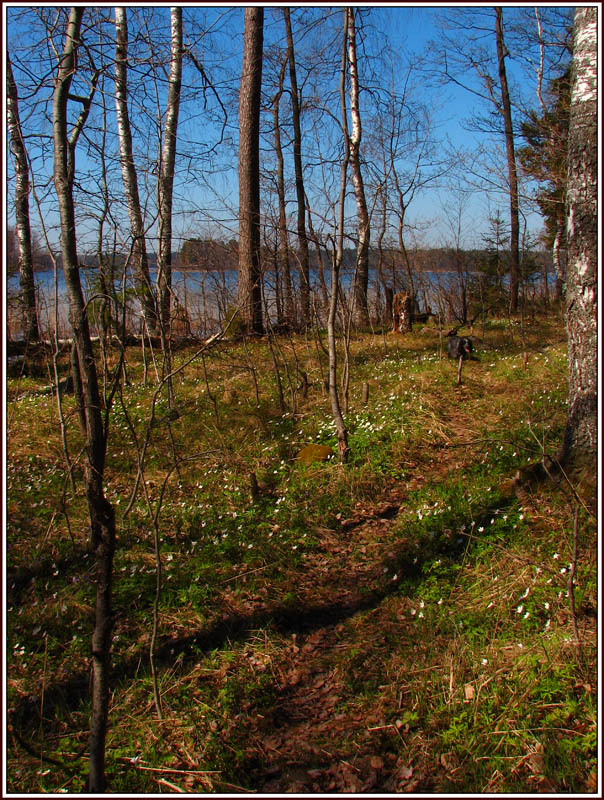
(217, 256)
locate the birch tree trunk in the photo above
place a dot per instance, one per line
(102, 518)
(165, 184)
(361, 282)
(300, 194)
(581, 435)
(129, 177)
(336, 410)
(250, 276)
(22, 224)
(506, 111)
(556, 252)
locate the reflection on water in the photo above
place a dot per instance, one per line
(204, 297)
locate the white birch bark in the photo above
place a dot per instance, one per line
(581, 436)
(362, 271)
(336, 410)
(22, 222)
(129, 177)
(165, 185)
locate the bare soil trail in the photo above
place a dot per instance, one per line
(313, 739)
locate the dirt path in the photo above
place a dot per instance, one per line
(312, 740)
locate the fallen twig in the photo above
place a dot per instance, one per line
(249, 572)
(167, 770)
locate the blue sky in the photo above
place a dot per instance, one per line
(207, 191)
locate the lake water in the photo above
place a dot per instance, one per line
(184, 281)
(207, 295)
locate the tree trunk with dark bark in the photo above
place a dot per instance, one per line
(249, 287)
(290, 313)
(581, 435)
(300, 194)
(22, 223)
(323, 301)
(102, 519)
(506, 111)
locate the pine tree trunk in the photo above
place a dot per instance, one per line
(129, 177)
(23, 229)
(581, 435)
(290, 314)
(102, 520)
(250, 276)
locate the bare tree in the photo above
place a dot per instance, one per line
(505, 109)
(469, 51)
(454, 209)
(129, 176)
(101, 512)
(300, 194)
(22, 222)
(545, 159)
(250, 275)
(337, 257)
(581, 435)
(165, 184)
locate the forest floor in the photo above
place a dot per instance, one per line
(404, 623)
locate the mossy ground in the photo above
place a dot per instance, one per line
(399, 624)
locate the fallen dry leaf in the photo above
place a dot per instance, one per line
(536, 760)
(448, 761)
(294, 678)
(592, 781)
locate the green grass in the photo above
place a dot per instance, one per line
(463, 657)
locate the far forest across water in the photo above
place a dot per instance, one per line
(213, 255)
